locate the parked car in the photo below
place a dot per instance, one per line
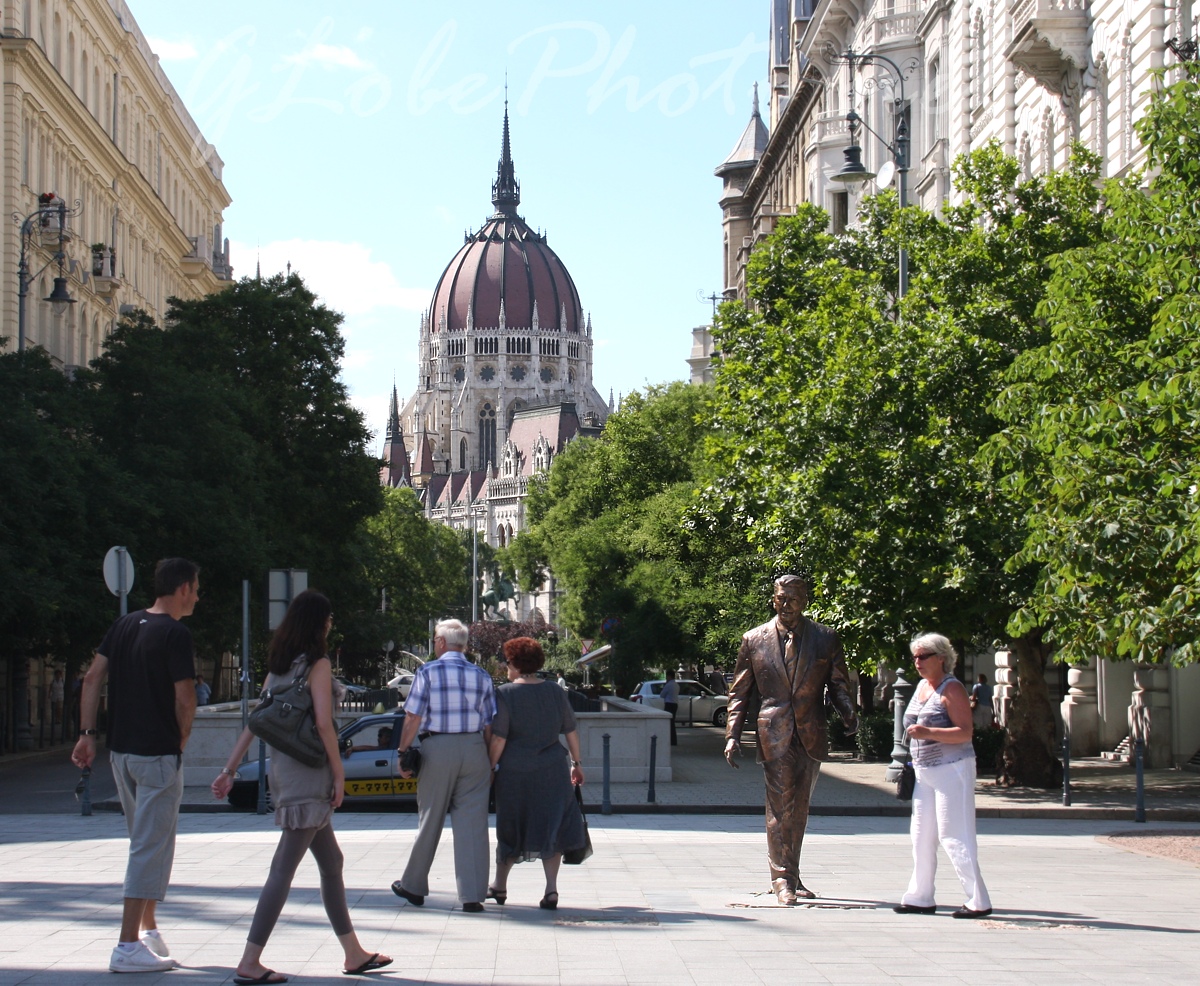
(372, 774)
(352, 689)
(697, 703)
(402, 683)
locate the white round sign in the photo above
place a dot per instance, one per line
(116, 559)
(886, 173)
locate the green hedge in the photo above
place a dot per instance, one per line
(876, 735)
(988, 743)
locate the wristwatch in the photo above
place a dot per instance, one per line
(576, 763)
(89, 732)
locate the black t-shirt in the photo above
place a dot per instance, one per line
(147, 653)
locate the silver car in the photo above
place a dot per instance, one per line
(369, 756)
(697, 703)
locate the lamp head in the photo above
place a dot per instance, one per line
(60, 298)
(853, 171)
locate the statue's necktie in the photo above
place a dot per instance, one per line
(791, 659)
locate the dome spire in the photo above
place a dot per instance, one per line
(506, 190)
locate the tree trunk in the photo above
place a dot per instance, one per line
(1029, 757)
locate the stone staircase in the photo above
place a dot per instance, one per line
(1123, 753)
(1194, 764)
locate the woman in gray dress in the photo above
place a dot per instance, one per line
(304, 796)
(537, 815)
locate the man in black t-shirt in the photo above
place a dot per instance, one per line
(149, 659)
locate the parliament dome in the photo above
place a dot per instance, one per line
(505, 275)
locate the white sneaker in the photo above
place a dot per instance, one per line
(155, 943)
(138, 959)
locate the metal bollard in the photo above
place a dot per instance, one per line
(1139, 812)
(606, 801)
(653, 757)
(901, 693)
(1066, 770)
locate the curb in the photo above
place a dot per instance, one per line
(1041, 812)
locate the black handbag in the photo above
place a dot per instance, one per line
(284, 720)
(573, 857)
(410, 760)
(906, 782)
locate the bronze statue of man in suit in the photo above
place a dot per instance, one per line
(783, 670)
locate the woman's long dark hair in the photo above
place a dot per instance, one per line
(301, 631)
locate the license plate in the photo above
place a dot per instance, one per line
(381, 787)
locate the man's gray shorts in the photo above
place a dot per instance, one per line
(151, 789)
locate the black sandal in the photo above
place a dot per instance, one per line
(549, 902)
(499, 896)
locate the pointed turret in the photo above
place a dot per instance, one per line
(506, 190)
(395, 471)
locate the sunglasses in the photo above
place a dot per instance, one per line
(923, 656)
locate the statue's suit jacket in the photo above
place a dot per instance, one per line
(786, 708)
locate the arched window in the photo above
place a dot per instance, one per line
(487, 435)
(462, 455)
(500, 536)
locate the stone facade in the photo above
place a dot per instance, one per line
(1034, 75)
(86, 113)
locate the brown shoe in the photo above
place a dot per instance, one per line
(785, 893)
(803, 892)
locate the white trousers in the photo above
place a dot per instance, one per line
(944, 812)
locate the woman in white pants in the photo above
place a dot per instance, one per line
(938, 723)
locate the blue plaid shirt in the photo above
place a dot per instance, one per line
(452, 695)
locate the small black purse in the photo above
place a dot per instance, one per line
(573, 857)
(906, 782)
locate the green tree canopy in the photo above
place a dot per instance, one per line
(243, 450)
(610, 520)
(1102, 420)
(848, 423)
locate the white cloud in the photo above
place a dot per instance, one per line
(172, 51)
(328, 56)
(343, 275)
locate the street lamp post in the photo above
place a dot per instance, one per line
(853, 171)
(60, 298)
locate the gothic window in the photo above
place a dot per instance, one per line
(517, 373)
(500, 536)
(460, 374)
(487, 435)
(546, 374)
(462, 455)
(510, 460)
(570, 376)
(487, 374)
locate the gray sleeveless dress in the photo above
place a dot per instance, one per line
(300, 793)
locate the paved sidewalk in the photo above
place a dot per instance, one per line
(667, 899)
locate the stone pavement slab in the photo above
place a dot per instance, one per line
(667, 899)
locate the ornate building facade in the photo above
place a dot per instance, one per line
(504, 377)
(1034, 75)
(88, 119)
(88, 116)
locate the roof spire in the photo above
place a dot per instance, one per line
(755, 112)
(506, 190)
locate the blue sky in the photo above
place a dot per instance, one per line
(360, 141)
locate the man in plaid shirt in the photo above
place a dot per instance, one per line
(450, 708)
